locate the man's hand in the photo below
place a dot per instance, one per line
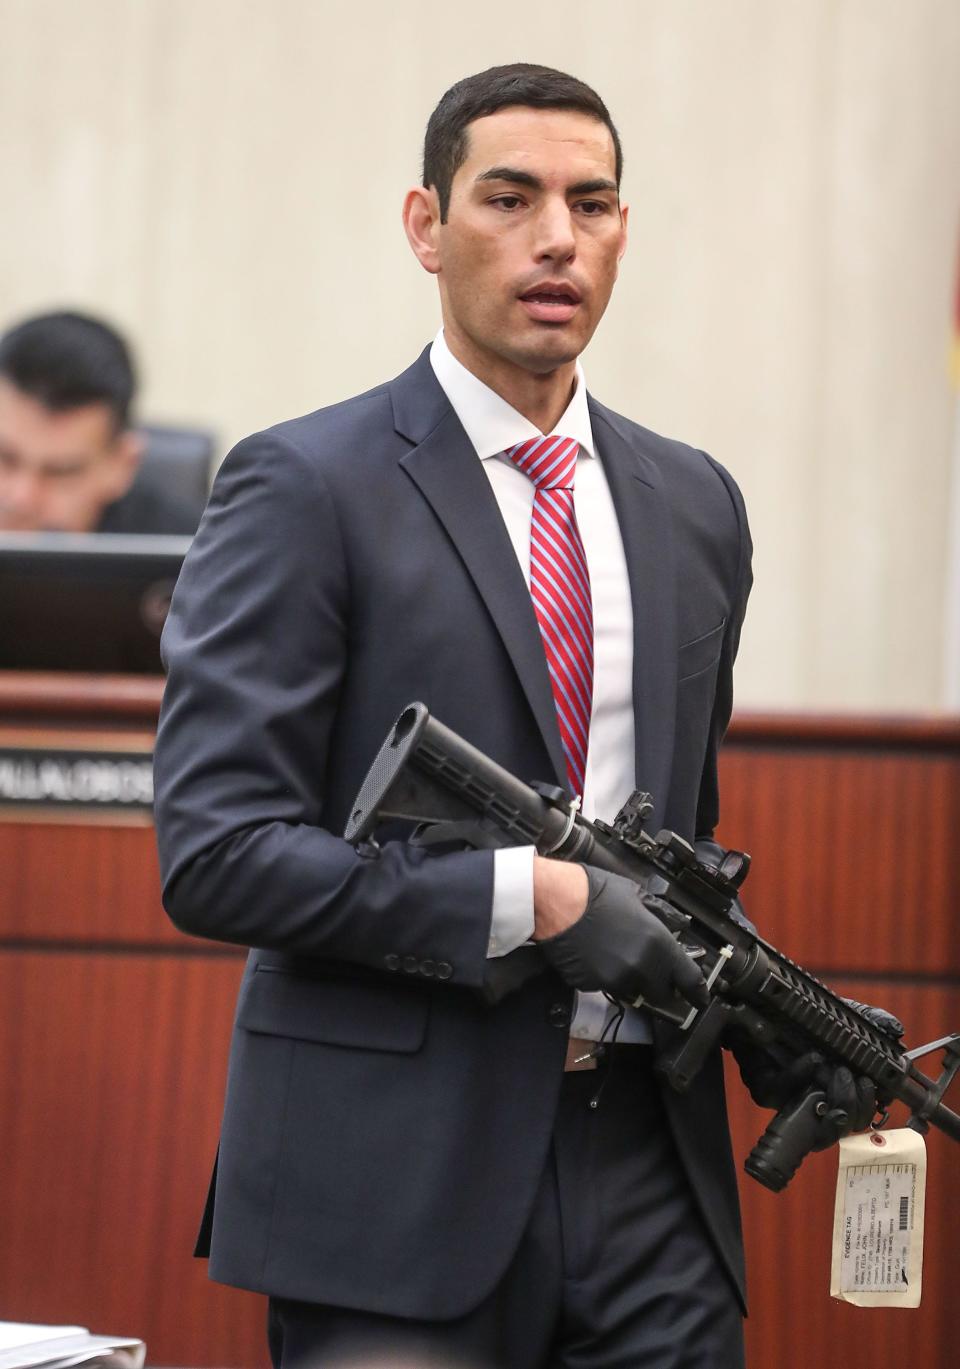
(775, 1081)
(597, 934)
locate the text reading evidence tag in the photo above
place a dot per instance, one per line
(878, 1220)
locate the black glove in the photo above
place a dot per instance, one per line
(775, 1080)
(619, 946)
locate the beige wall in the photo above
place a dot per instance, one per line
(224, 178)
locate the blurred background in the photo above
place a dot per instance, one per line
(222, 180)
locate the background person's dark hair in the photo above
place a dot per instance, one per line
(520, 83)
(65, 360)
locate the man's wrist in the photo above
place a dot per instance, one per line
(559, 896)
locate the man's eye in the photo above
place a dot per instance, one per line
(63, 473)
(592, 207)
(507, 202)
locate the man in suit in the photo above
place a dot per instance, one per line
(69, 457)
(405, 1167)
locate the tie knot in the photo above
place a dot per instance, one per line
(550, 462)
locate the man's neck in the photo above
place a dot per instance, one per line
(541, 398)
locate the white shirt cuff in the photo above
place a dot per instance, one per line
(511, 923)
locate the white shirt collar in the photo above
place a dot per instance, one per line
(493, 425)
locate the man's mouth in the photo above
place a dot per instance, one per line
(551, 303)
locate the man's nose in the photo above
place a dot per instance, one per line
(555, 239)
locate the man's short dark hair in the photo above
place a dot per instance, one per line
(65, 360)
(520, 83)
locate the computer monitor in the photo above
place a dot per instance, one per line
(86, 602)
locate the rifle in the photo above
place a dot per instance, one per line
(427, 774)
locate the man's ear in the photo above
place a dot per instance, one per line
(421, 223)
(624, 215)
(124, 461)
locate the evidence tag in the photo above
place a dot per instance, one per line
(878, 1219)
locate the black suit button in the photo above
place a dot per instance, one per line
(410, 964)
(444, 971)
(428, 968)
(392, 962)
(558, 1015)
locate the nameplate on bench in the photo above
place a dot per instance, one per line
(74, 780)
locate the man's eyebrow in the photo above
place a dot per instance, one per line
(592, 187)
(512, 174)
(63, 465)
(515, 176)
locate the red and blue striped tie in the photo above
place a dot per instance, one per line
(560, 589)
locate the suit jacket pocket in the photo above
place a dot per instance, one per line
(333, 1012)
(700, 653)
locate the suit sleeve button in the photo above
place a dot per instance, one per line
(428, 968)
(444, 971)
(410, 964)
(392, 962)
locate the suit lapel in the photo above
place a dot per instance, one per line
(446, 470)
(647, 532)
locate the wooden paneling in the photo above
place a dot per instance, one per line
(856, 857)
(862, 731)
(78, 882)
(59, 699)
(110, 1099)
(114, 1031)
(854, 826)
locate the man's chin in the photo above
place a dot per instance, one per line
(538, 349)
(549, 348)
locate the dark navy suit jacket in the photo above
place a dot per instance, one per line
(384, 1130)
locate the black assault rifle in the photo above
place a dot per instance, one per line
(426, 774)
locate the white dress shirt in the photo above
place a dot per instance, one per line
(492, 426)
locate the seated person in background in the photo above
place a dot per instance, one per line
(68, 456)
